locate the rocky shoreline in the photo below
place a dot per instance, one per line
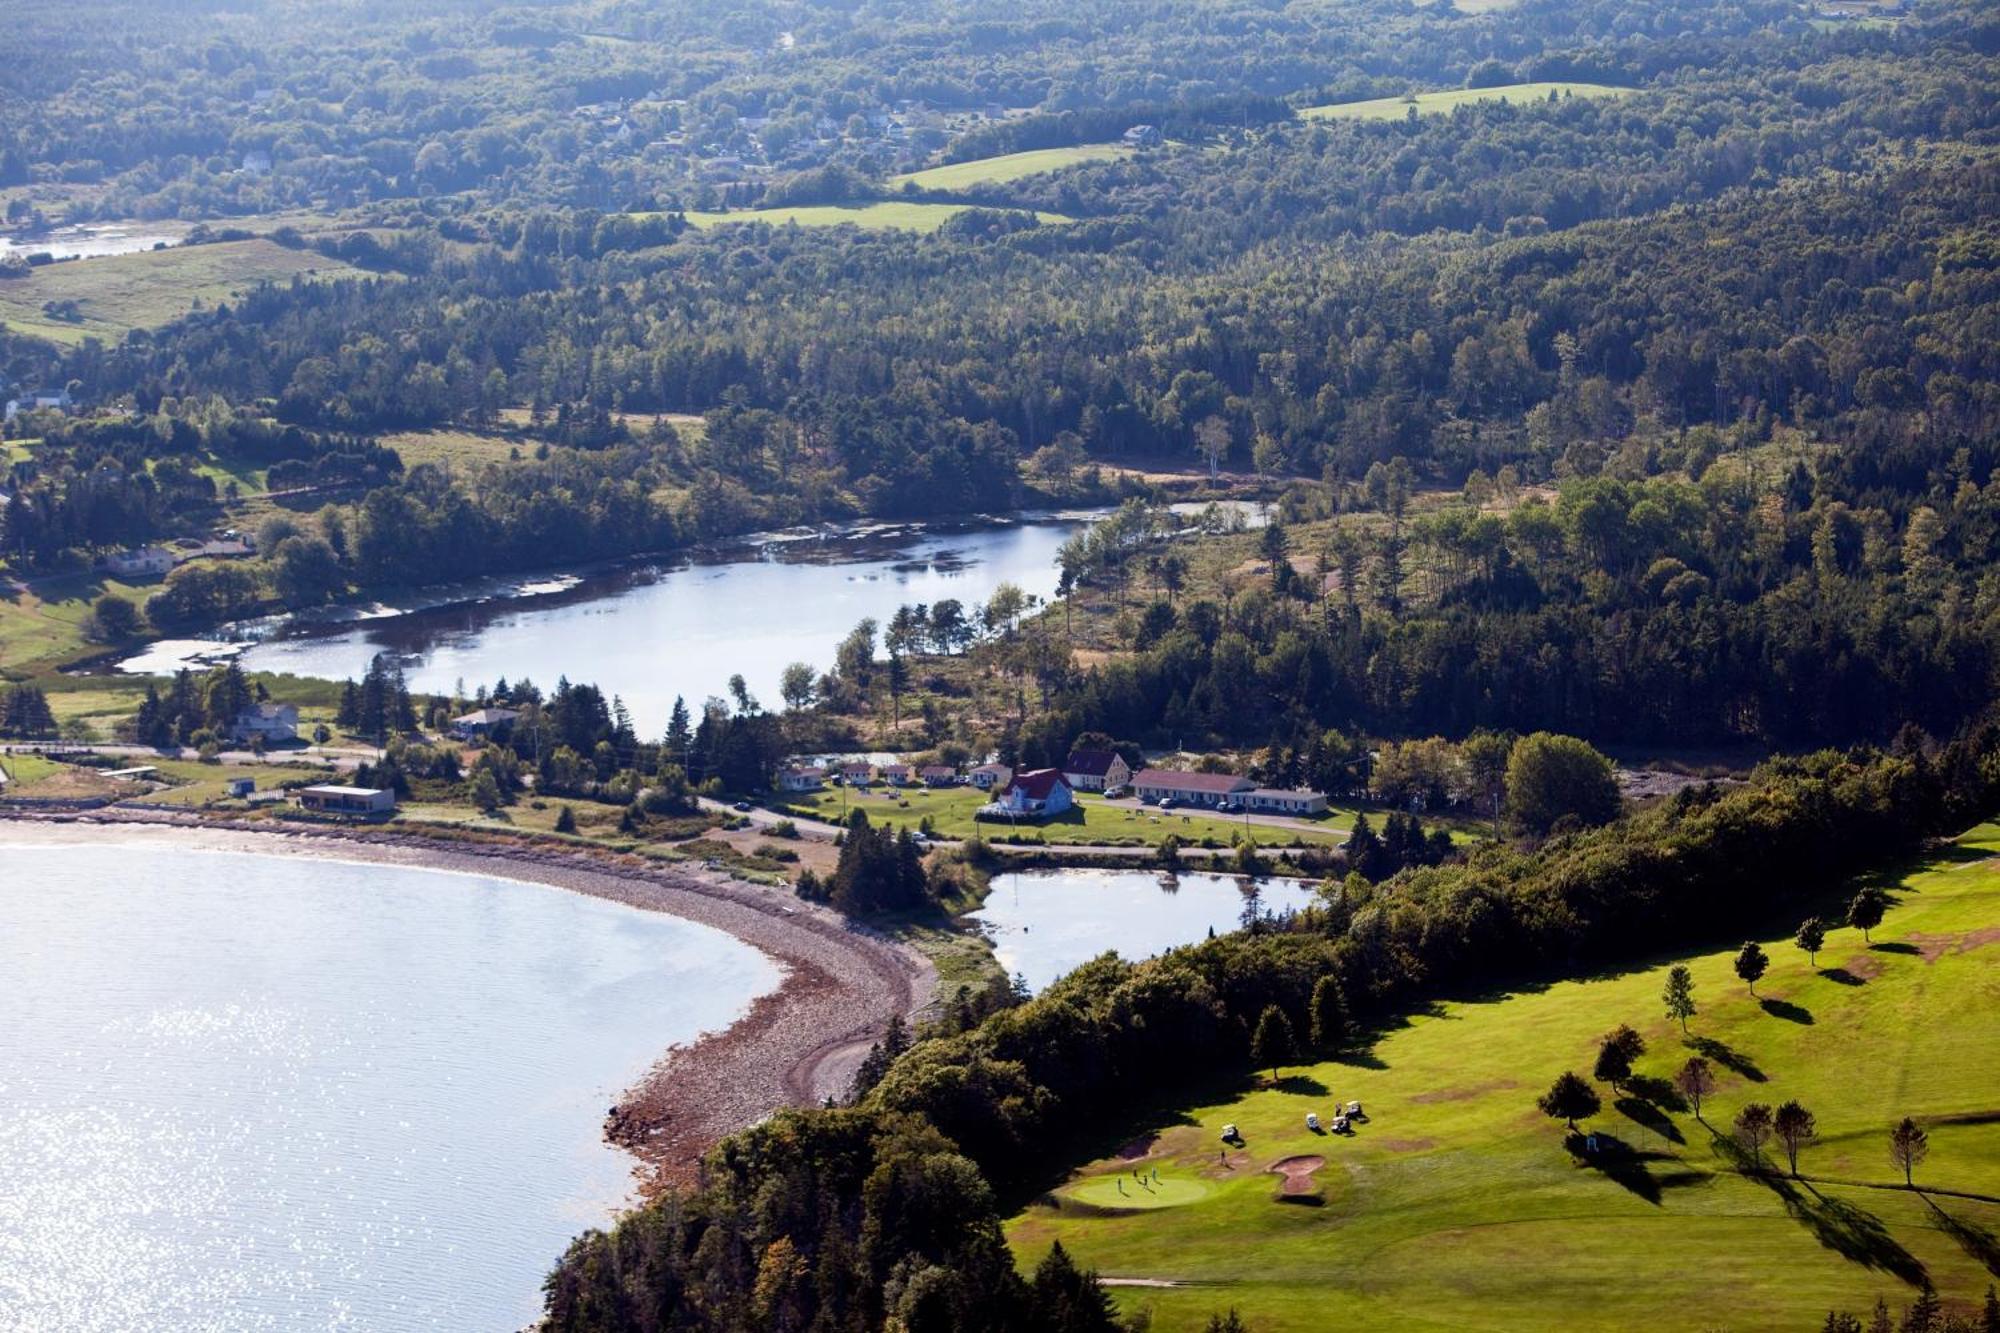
(795, 1046)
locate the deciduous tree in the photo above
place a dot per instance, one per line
(1811, 937)
(1795, 1127)
(1751, 963)
(1679, 995)
(1569, 1098)
(1908, 1146)
(1694, 1081)
(1753, 1129)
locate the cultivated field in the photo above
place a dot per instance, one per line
(1009, 167)
(1456, 1203)
(118, 293)
(885, 214)
(1396, 108)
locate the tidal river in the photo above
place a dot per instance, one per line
(246, 1092)
(654, 631)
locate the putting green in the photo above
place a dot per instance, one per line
(1166, 1192)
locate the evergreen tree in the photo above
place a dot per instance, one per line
(1272, 1046)
(1063, 1298)
(1329, 1027)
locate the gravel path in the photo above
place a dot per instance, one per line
(794, 1046)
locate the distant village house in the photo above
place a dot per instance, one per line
(988, 776)
(138, 562)
(1191, 788)
(272, 723)
(1096, 770)
(938, 775)
(802, 777)
(362, 802)
(482, 722)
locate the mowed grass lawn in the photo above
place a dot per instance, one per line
(1456, 1204)
(1008, 167)
(1395, 108)
(118, 293)
(882, 214)
(950, 810)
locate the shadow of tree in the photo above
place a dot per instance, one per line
(1657, 1091)
(1722, 1053)
(1841, 976)
(1894, 946)
(1628, 1167)
(1785, 1009)
(1648, 1116)
(1301, 1085)
(1361, 1059)
(1974, 1239)
(1848, 1230)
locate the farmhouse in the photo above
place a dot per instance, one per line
(360, 801)
(270, 722)
(139, 562)
(1278, 801)
(1194, 788)
(857, 773)
(802, 777)
(1143, 136)
(482, 722)
(1038, 793)
(241, 788)
(896, 775)
(938, 775)
(1096, 770)
(988, 776)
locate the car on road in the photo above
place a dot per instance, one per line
(742, 807)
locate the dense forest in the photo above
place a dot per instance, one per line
(1714, 360)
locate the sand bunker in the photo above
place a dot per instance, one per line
(1298, 1173)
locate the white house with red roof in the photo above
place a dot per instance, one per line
(1037, 793)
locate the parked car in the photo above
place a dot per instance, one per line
(1167, 803)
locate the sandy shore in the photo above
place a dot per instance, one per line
(794, 1046)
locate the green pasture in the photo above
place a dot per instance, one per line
(1007, 167)
(1457, 1204)
(115, 294)
(887, 214)
(1395, 108)
(1091, 821)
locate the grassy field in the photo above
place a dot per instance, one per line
(950, 811)
(1456, 1203)
(1008, 167)
(118, 293)
(1395, 108)
(883, 214)
(44, 627)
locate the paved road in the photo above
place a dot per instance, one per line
(342, 757)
